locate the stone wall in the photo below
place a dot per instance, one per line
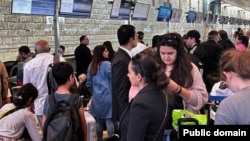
(20, 29)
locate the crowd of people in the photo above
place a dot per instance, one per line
(134, 89)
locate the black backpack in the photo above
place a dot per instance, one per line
(64, 122)
(84, 92)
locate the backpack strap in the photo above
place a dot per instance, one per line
(52, 102)
(8, 111)
(52, 105)
(49, 73)
(71, 102)
(72, 99)
(56, 59)
(76, 118)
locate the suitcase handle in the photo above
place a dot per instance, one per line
(183, 120)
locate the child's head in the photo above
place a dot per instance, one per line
(62, 71)
(25, 94)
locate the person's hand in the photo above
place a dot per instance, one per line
(89, 103)
(82, 77)
(7, 100)
(173, 86)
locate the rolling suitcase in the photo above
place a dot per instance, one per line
(91, 126)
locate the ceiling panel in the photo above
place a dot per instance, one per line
(244, 4)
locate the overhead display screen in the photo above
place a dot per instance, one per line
(176, 15)
(76, 8)
(36, 7)
(141, 11)
(199, 17)
(164, 13)
(191, 16)
(120, 10)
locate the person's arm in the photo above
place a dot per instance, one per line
(5, 83)
(82, 77)
(43, 120)
(198, 92)
(83, 122)
(139, 119)
(32, 126)
(62, 59)
(179, 90)
(196, 96)
(26, 76)
(46, 111)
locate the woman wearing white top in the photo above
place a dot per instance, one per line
(14, 123)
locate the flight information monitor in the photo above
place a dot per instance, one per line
(76, 8)
(141, 11)
(176, 15)
(36, 7)
(164, 13)
(191, 16)
(120, 10)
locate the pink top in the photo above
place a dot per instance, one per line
(240, 47)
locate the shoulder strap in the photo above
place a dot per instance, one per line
(163, 122)
(71, 102)
(77, 130)
(49, 73)
(56, 58)
(72, 99)
(9, 111)
(52, 102)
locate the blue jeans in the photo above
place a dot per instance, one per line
(166, 136)
(170, 135)
(99, 127)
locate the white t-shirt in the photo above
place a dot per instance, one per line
(13, 125)
(139, 48)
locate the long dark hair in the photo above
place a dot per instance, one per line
(181, 72)
(109, 46)
(97, 59)
(24, 94)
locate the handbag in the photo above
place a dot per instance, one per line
(85, 93)
(185, 117)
